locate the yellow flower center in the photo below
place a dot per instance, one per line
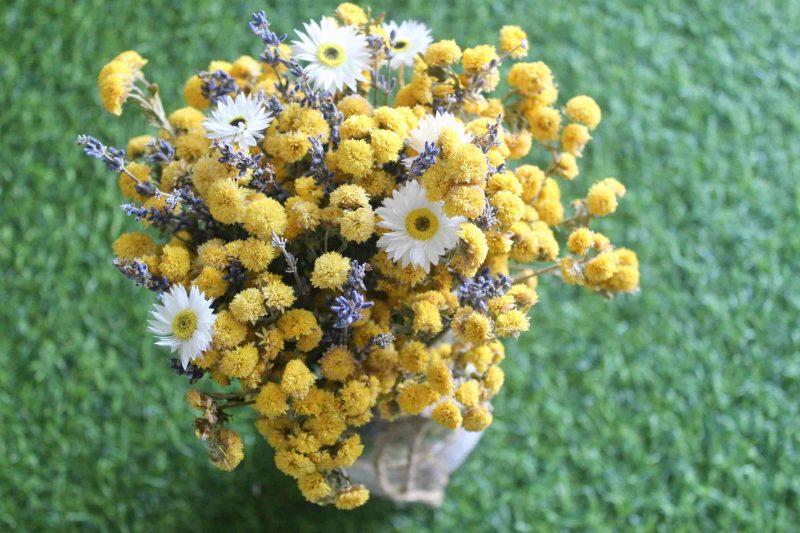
(422, 224)
(331, 55)
(400, 45)
(237, 120)
(184, 324)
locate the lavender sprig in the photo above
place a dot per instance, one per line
(348, 306)
(318, 169)
(334, 118)
(114, 158)
(488, 219)
(217, 85)
(260, 26)
(242, 161)
(476, 292)
(162, 219)
(424, 160)
(490, 139)
(138, 272)
(161, 152)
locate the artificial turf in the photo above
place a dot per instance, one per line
(673, 409)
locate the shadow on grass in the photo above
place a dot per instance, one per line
(256, 496)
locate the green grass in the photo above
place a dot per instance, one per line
(673, 409)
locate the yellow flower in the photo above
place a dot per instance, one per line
(338, 364)
(314, 487)
(351, 498)
(386, 145)
(427, 319)
(511, 323)
(354, 157)
(192, 145)
(601, 200)
(349, 197)
(226, 201)
(585, 110)
(211, 281)
(271, 401)
(193, 93)
(477, 419)
(186, 119)
(138, 145)
(465, 200)
(574, 138)
(567, 166)
(297, 379)
(354, 104)
(471, 251)
(263, 217)
(355, 398)
(413, 357)
(477, 328)
(447, 414)
(229, 450)
(442, 53)
(351, 14)
(545, 123)
(228, 332)
(357, 226)
(413, 397)
(133, 245)
(301, 325)
(248, 305)
(245, 68)
(115, 82)
(509, 207)
(493, 379)
(439, 378)
(530, 78)
(357, 127)
(330, 271)
(239, 362)
(602, 267)
(349, 450)
(513, 40)
(175, 262)
(479, 57)
(580, 241)
(468, 394)
(278, 295)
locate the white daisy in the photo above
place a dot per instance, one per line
(238, 122)
(410, 39)
(183, 321)
(336, 55)
(430, 128)
(419, 232)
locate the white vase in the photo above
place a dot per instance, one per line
(410, 459)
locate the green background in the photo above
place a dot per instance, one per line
(675, 408)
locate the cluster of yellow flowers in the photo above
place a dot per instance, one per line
(361, 260)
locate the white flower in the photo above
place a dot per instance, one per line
(410, 39)
(419, 232)
(336, 55)
(183, 321)
(238, 122)
(430, 128)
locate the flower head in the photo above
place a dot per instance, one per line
(240, 121)
(410, 38)
(430, 128)
(419, 232)
(183, 321)
(336, 55)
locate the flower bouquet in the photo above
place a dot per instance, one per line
(338, 239)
